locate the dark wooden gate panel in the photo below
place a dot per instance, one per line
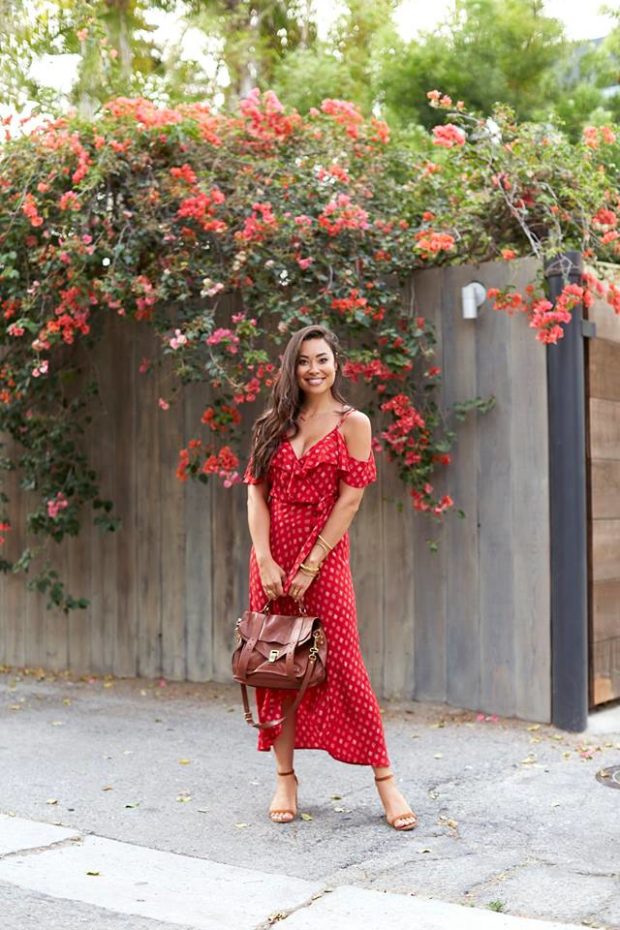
(604, 474)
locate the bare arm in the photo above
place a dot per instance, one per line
(271, 574)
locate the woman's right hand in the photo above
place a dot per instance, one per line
(272, 577)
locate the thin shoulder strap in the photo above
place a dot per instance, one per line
(344, 415)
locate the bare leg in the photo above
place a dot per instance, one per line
(393, 801)
(285, 798)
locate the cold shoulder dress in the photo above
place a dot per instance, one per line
(341, 715)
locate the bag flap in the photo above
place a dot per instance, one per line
(276, 628)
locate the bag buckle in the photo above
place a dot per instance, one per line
(273, 655)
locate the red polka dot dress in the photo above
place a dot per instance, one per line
(341, 715)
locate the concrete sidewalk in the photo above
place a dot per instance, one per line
(158, 788)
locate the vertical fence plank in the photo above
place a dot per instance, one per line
(148, 541)
(14, 642)
(430, 567)
(397, 568)
(460, 339)
(105, 547)
(198, 556)
(529, 494)
(230, 576)
(77, 562)
(495, 510)
(125, 466)
(367, 542)
(172, 537)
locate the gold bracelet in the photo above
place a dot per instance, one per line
(324, 542)
(309, 570)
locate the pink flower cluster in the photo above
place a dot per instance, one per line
(56, 504)
(593, 136)
(448, 136)
(345, 113)
(430, 243)
(29, 209)
(184, 173)
(201, 208)
(224, 335)
(41, 369)
(260, 224)
(340, 213)
(179, 339)
(544, 316)
(69, 201)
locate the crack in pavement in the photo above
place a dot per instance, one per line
(278, 916)
(37, 850)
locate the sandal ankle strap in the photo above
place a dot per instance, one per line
(384, 777)
(292, 772)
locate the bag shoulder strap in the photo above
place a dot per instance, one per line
(290, 710)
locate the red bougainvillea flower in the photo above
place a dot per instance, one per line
(184, 173)
(341, 213)
(605, 217)
(439, 100)
(448, 136)
(429, 243)
(69, 201)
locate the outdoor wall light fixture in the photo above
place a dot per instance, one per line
(472, 296)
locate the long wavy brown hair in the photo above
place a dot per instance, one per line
(280, 417)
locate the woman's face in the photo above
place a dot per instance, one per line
(316, 366)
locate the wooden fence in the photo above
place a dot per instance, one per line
(603, 371)
(468, 624)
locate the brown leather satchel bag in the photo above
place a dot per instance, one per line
(276, 651)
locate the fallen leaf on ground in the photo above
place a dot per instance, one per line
(93, 873)
(52, 801)
(240, 826)
(534, 726)
(306, 817)
(184, 762)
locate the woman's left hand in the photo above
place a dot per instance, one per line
(299, 585)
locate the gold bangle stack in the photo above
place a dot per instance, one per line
(323, 542)
(309, 569)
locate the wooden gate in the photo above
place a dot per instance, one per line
(603, 387)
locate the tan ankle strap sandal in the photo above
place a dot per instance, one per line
(407, 815)
(293, 814)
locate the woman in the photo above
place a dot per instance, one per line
(310, 460)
